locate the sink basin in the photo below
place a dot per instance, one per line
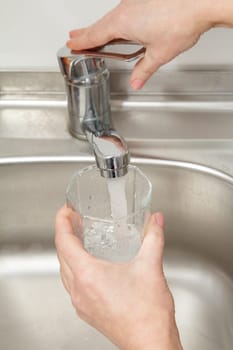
(185, 115)
(36, 312)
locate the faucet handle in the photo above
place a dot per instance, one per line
(106, 52)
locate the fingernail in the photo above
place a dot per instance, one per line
(159, 219)
(136, 84)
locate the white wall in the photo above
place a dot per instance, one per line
(31, 31)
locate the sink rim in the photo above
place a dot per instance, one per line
(201, 303)
(196, 167)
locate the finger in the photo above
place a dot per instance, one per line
(160, 219)
(76, 32)
(66, 273)
(153, 243)
(143, 70)
(68, 245)
(98, 34)
(76, 222)
(65, 281)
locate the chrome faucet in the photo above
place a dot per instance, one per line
(87, 84)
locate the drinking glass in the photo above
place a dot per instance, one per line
(113, 211)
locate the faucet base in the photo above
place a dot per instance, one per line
(76, 134)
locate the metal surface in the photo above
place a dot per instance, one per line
(111, 154)
(198, 205)
(116, 49)
(87, 85)
(186, 117)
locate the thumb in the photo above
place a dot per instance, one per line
(144, 69)
(153, 243)
(68, 245)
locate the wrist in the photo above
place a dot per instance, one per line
(162, 337)
(170, 343)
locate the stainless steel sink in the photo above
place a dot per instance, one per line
(198, 205)
(181, 116)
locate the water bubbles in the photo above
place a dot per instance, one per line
(114, 240)
(101, 240)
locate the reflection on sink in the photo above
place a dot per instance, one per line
(35, 309)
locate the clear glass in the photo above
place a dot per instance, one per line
(113, 211)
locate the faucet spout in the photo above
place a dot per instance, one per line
(88, 93)
(111, 153)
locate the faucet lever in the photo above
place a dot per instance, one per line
(106, 52)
